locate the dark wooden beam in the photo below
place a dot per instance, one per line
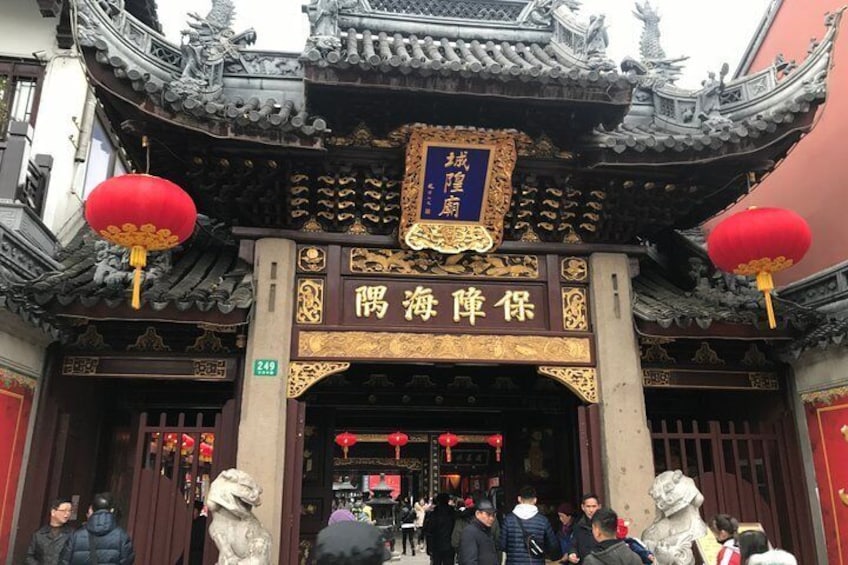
(169, 314)
(718, 330)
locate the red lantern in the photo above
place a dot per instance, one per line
(345, 440)
(448, 440)
(760, 241)
(496, 441)
(187, 444)
(206, 452)
(398, 440)
(142, 213)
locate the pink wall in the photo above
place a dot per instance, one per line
(811, 180)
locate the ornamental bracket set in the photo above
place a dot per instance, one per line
(582, 381)
(303, 375)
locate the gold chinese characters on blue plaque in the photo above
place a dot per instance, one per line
(457, 189)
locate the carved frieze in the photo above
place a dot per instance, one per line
(655, 378)
(403, 462)
(422, 263)
(150, 340)
(80, 366)
(763, 381)
(310, 301)
(304, 375)
(210, 368)
(90, 339)
(207, 342)
(754, 357)
(582, 381)
(575, 311)
(656, 353)
(454, 347)
(706, 355)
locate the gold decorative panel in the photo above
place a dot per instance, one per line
(706, 355)
(449, 347)
(654, 378)
(210, 368)
(417, 263)
(80, 366)
(150, 340)
(312, 259)
(582, 381)
(575, 269)
(450, 232)
(304, 375)
(575, 311)
(763, 381)
(310, 301)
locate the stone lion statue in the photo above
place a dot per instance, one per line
(240, 537)
(678, 521)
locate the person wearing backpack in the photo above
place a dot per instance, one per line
(407, 527)
(526, 536)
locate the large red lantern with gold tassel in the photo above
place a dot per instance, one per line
(142, 213)
(759, 242)
(398, 440)
(345, 440)
(448, 440)
(496, 441)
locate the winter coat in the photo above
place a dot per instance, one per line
(639, 549)
(420, 513)
(566, 541)
(476, 546)
(729, 554)
(111, 542)
(462, 520)
(612, 552)
(584, 540)
(46, 545)
(438, 526)
(512, 540)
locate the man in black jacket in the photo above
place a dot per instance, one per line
(102, 536)
(47, 542)
(476, 546)
(438, 527)
(584, 541)
(610, 549)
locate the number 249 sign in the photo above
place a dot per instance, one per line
(265, 367)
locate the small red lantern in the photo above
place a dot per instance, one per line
(187, 445)
(142, 213)
(398, 440)
(206, 452)
(345, 441)
(448, 440)
(496, 441)
(760, 241)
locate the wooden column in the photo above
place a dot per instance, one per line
(625, 439)
(262, 428)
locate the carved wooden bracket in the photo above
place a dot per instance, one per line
(303, 375)
(582, 381)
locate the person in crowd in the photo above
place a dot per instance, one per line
(100, 538)
(476, 545)
(341, 514)
(438, 527)
(526, 536)
(463, 518)
(48, 541)
(565, 534)
(420, 512)
(773, 557)
(610, 550)
(584, 541)
(635, 545)
(752, 542)
(407, 527)
(351, 543)
(725, 528)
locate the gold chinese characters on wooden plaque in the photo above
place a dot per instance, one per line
(457, 189)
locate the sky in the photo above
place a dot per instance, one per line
(710, 32)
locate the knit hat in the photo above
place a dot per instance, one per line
(351, 543)
(622, 529)
(565, 508)
(469, 502)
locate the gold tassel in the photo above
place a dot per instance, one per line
(765, 284)
(138, 259)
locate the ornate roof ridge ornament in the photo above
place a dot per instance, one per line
(539, 13)
(656, 68)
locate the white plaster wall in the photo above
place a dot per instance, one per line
(23, 30)
(21, 346)
(821, 369)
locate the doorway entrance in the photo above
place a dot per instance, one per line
(539, 420)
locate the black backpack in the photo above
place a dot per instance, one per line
(534, 548)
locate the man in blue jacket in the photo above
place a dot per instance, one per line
(101, 538)
(527, 537)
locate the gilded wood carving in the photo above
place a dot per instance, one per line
(575, 311)
(575, 269)
(80, 366)
(445, 232)
(582, 381)
(312, 259)
(310, 301)
(304, 375)
(415, 263)
(449, 347)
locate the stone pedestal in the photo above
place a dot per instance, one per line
(262, 429)
(626, 444)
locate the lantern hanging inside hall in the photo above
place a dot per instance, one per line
(187, 445)
(142, 213)
(398, 440)
(496, 441)
(206, 452)
(759, 242)
(345, 441)
(448, 440)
